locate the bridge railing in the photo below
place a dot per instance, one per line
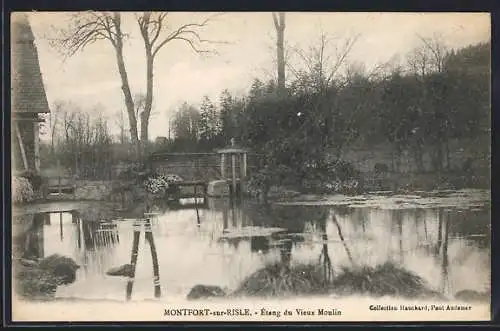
(197, 166)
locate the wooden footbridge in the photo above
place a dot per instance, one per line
(221, 173)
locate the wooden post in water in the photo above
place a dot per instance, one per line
(59, 178)
(444, 265)
(233, 173)
(400, 228)
(223, 165)
(61, 226)
(225, 222)
(243, 172)
(79, 233)
(47, 218)
(440, 232)
(154, 257)
(196, 206)
(133, 259)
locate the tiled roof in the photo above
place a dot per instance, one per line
(28, 92)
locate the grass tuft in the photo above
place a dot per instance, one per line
(386, 279)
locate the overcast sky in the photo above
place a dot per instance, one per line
(91, 77)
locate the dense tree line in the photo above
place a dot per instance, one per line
(422, 105)
(435, 96)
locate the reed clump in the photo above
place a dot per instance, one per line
(275, 280)
(386, 279)
(383, 280)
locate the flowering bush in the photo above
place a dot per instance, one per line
(159, 185)
(22, 191)
(156, 185)
(346, 187)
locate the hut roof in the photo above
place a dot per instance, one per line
(232, 148)
(28, 92)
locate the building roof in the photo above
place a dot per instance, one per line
(28, 92)
(233, 148)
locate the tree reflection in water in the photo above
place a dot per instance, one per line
(28, 239)
(324, 256)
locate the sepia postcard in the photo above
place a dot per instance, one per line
(250, 166)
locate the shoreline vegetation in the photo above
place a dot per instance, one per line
(386, 280)
(35, 282)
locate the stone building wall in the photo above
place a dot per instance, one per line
(93, 190)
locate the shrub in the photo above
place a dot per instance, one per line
(156, 185)
(276, 280)
(383, 280)
(306, 279)
(22, 190)
(159, 185)
(39, 280)
(34, 178)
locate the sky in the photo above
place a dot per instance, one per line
(91, 78)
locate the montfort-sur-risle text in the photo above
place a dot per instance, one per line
(235, 312)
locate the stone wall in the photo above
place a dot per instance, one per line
(93, 190)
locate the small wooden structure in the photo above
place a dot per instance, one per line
(238, 157)
(28, 96)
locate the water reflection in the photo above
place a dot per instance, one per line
(221, 243)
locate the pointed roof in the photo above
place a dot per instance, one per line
(28, 92)
(234, 148)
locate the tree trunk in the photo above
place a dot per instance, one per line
(417, 153)
(148, 104)
(279, 24)
(129, 102)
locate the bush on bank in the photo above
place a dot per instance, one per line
(22, 190)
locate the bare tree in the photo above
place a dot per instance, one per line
(87, 28)
(139, 106)
(120, 121)
(428, 57)
(90, 27)
(53, 123)
(322, 64)
(319, 74)
(279, 24)
(156, 34)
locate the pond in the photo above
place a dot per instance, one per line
(443, 237)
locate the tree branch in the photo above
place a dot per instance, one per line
(85, 29)
(180, 34)
(275, 20)
(347, 49)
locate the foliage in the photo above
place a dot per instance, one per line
(22, 190)
(82, 142)
(160, 184)
(260, 182)
(34, 178)
(275, 280)
(40, 279)
(436, 96)
(306, 279)
(411, 110)
(383, 280)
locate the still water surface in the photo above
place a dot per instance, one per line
(448, 244)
